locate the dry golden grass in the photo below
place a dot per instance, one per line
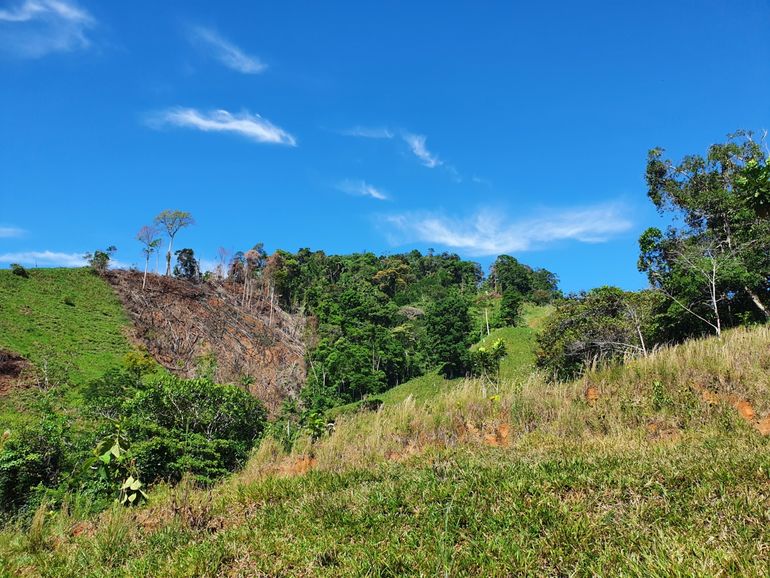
(654, 398)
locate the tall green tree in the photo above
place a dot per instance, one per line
(510, 308)
(448, 327)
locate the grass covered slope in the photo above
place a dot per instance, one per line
(519, 343)
(63, 316)
(652, 469)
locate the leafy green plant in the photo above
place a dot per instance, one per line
(131, 493)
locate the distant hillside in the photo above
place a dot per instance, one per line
(75, 322)
(185, 325)
(519, 361)
(63, 317)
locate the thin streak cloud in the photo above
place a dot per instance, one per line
(10, 232)
(368, 132)
(250, 126)
(361, 189)
(489, 233)
(226, 52)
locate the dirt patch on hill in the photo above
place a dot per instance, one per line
(742, 406)
(180, 323)
(12, 369)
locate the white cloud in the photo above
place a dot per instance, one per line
(52, 259)
(10, 232)
(35, 28)
(251, 126)
(361, 189)
(416, 143)
(227, 52)
(490, 233)
(369, 132)
(45, 259)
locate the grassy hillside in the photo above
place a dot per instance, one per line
(519, 342)
(658, 468)
(67, 317)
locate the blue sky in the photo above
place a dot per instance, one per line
(475, 127)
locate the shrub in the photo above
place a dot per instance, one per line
(192, 425)
(17, 269)
(36, 457)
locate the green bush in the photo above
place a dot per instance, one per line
(19, 270)
(37, 456)
(191, 425)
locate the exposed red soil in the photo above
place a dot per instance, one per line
(592, 394)
(12, 368)
(499, 438)
(742, 406)
(179, 322)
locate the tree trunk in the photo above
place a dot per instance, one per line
(168, 256)
(146, 266)
(758, 303)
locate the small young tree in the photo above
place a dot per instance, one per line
(187, 266)
(171, 222)
(148, 236)
(99, 260)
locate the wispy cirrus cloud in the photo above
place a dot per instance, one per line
(250, 126)
(10, 232)
(36, 28)
(490, 233)
(361, 188)
(226, 52)
(416, 144)
(369, 132)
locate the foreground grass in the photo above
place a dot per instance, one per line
(63, 317)
(646, 476)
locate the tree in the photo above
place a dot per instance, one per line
(448, 326)
(171, 222)
(694, 271)
(222, 254)
(510, 308)
(508, 273)
(601, 326)
(719, 255)
(148, 237)
(99, 260)
(187, 266)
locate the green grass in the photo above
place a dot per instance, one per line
(67, 317)
(580, 489)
